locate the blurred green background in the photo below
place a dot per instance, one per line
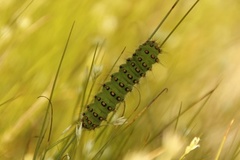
(203, 52)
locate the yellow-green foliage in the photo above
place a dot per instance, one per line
(200, 57)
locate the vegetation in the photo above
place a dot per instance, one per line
(186, 108)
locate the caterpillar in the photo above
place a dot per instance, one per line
(121, 83)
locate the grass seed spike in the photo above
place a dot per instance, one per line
(129, 74)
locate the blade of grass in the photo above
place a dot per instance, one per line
(179, 113)
(206, 97)
(223, 141)
(84, 102)
(43, 129)
(237, 149)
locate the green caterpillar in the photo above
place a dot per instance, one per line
(114, 91)
(122, 82)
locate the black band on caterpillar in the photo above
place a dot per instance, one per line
(114, 91)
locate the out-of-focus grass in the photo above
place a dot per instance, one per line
(200, 55)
